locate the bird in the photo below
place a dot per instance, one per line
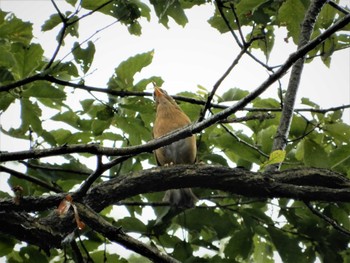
(170, 117)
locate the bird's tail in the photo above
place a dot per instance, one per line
(181, 198)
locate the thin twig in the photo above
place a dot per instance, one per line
(329, 220)
(91, 12)
(260, 117)
(56, 169)
(218, 83)
(238, 24)
(243, 141)
(31, 179)
(62, 34)
(269, 68)
(338, 7)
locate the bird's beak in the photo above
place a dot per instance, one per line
(158, 92)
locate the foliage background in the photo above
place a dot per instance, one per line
(245, 227)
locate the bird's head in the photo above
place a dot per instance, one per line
(162, 97)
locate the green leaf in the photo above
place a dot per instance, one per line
(233, 94)
(126, 11)
(308, 102)
(220, 224)
(73, 119)
(340, 131)
(291, 15)
(105, 114)
(98, 126)
(109, 136)
(125, 72)
(143, 83)
(182, 251)
(27, 59)
(84, 56)
(266, 103)
(14, 29)
(265, 39)
(86, 104)
(102, 256)
(51, 23)
(328, 48)
(5, 100)
(229, 145)
(32, 254)
(30, 113)
(166, 9)
(132, 224)
(73, 30)
(217, 22)
(135, 28)
(315, 155)
(340, 157)
(240, 245)
(72, 2)
(5, 76)
(249, 7)
(326, 17)
(287, 246)
(263, 251)
(265, 138)
(64, 70)
(43, 89)
(6, 245)
(49, 138)
(7, 59)
(94, 4)
(135, 128)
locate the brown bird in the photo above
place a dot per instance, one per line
(170, 117)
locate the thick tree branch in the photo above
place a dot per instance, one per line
(26, 228)
(307, 184)
(281, 137)
(99, 224)
(304, 183)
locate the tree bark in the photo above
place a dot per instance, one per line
(281, 138)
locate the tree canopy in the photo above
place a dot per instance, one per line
(273, 180)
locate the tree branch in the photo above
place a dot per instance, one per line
(307, 184)
(99, 224)
(329, 220)
(304, 183)
(31, 179)
(281, 137)
(338, 7)
(218, 83)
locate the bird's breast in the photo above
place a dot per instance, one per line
(181, 152)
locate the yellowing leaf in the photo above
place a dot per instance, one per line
(277, 156)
